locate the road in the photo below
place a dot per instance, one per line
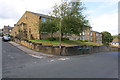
(17, 64)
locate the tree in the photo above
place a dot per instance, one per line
(69, 17)
(106, 38)
(49, 26)
(116, 36)
(66, 18)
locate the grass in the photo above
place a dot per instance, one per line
(64, 43)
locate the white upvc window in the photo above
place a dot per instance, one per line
(90, 33)
(83, 33)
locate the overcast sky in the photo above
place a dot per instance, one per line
(102, 14)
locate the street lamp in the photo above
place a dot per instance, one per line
(60, 29)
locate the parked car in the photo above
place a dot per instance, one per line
(6, 38)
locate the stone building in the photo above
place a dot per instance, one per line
(28, 26)
(96, 37)
(1, 32)
(6, 30)
(115, 42)
(88, 34)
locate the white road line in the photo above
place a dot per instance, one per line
(40, 57)
(52, 60)
(63, 59)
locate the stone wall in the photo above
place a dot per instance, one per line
(114, 49)
(56, 50)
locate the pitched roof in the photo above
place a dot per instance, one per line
(9, 27)
(41, 15)
(116, 40)
(96, 31)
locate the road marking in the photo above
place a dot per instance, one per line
(63, 59)
(40, 57)
(52, 60)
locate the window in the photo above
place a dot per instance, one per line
(43, 19)
(80, 33)
(82, 38)
(29, 30)
(91, 39)
(90, 33)
(97, 34)
(83, 33)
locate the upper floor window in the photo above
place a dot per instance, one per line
(83, 33)
(90, 33)
(97, 34)
(43, 19)
(29, 30)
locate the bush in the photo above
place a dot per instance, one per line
(64, 39)
(83, 40)
(51, 39)
(57, 39)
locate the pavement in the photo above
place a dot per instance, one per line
(29, 51)
(18, 64)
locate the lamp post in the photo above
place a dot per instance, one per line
(60, 29)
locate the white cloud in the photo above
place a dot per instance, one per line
(105, 22)
(10, 22)
(112, 1)
(12, 10)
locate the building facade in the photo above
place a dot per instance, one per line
(96, 37)
(115, 42)
(88, 34)
(1, 31)
(28, 26)
(6, 30)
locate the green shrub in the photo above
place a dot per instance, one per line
(51, 39)
(83, 40)
(64, 39)
(57, 39)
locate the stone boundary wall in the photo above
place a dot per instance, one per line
(66, 51)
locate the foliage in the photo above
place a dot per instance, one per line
(49, 26)
(83, 40)
(73, 22)
(65, 43)
(106, 38)
(116, 36)
(56, 39)
(51, 39)
(18, 30)
(68, 19)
